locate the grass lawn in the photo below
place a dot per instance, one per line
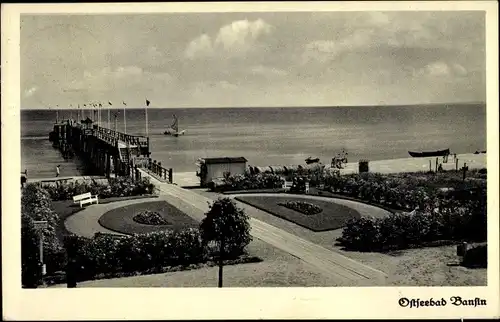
(332, 217)
(121, 219)
(66, 208)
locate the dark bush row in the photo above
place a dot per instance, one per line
(302, 207)
(402, 191)
(116, 187)
(250, 182)
(406, 230)
(108, 254)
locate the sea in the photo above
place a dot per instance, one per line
(270, 136)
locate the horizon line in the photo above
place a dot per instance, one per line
(241, 107)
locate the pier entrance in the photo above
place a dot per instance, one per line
(106, 150)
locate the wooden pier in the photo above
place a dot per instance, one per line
(106, 150)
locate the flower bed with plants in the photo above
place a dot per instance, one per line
(116, 187)
(303, 207)
(148, 217)
(332, 216)
(156, 216)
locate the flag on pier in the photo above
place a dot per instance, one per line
(146, 110)
(124, 118)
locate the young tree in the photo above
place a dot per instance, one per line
(228, 226)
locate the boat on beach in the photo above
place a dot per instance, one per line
(310, 160)
(438, 153)
(174, 128)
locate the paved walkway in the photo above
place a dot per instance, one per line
(330, 263)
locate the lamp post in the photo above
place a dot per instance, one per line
(40, 225)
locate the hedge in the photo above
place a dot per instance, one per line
(403, 191)
(116, 187)
(36, 205)
(250, 182)
(108, 254)
(447, 221)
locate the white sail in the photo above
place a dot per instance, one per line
(175, 125)
(174, 128)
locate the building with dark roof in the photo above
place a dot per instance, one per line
(213, 168)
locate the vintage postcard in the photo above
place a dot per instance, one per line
(250, 160)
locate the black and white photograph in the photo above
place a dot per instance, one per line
(245, 148)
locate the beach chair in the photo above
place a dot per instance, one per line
(85, 199)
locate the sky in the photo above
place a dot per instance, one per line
(253, 59)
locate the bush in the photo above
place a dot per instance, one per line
(405, 230)
(36, 206)
(107, 254)
(116, 187)
(227, 223)
(249, 182)
(302, 207)
(401, 191)
(148, 217)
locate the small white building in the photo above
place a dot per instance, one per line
(212, 168)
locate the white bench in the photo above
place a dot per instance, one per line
(287, 185)
(85, 199)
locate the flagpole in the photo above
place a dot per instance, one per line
(146, 118)
(124, 119)
(109, 119)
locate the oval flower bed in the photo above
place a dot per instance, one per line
(303, 207)
(148, 217)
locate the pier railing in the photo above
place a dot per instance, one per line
(163, 173)
(153, 168)
(112, 136)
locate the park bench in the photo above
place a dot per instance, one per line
(85, 199)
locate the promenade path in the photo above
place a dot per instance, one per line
(335, 265)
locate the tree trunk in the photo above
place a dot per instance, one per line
(221, 261)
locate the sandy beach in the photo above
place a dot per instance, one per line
(473, 161)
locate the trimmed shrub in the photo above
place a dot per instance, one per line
(405, 230)
(303, 207)
(402, 191)
(226, 222)
(148, 217)
(108, 254)
(250, 182)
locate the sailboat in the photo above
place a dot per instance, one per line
(174, 128)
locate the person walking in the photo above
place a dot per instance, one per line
(57, 171)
